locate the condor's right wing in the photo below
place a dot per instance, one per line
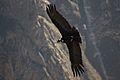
(59, 21)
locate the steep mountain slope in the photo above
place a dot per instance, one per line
(28, 47)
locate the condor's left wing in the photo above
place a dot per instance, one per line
(75, 55)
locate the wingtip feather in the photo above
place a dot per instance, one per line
(77, 70)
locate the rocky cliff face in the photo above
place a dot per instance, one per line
(28, 48)
(103, 25)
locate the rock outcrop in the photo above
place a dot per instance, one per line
(28, 47)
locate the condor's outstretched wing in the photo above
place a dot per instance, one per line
(75, 55)
(59, 21)
(73, 46)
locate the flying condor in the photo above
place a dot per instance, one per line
(70, 36)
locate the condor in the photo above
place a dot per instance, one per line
(70, 36)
